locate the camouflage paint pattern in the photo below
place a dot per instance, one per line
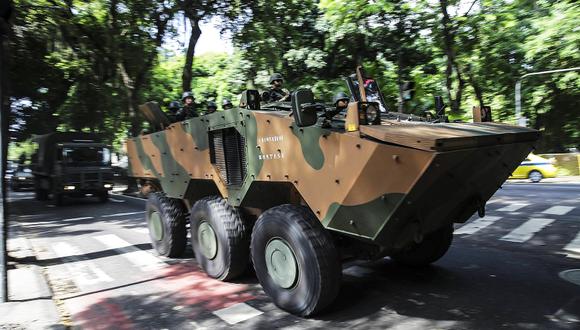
(382, 184)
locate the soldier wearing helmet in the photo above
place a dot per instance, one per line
(174, 107)
(211, 107)
(276, 93)
(227, 104)
(188, 110)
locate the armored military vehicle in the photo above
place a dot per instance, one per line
(268, 183)
(73, 164)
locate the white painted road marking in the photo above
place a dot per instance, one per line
(512, 207)
(121, 214)
(476, 225)
(142, 230)
(84, 272)
(573, 247)
(558, 210)
(76, 219)
(527, 230)
(237, 313)
(142, 259)
(116, 200)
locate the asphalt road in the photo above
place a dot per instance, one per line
(513, 269)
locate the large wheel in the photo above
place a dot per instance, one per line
(535, 176)
(166, 219)
(432, 248)
(58, 198)
(219, 238)
(295, 260)
(103, 196)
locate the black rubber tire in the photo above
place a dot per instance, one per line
(233, 241)
(432, 248)
(40, 194)
(103, 197)
(319, 267)
(173, 215)
(58, 198)
(534, 177)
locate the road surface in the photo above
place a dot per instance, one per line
(516, 268)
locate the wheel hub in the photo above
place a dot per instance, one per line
(156, 226)
(207, 240)
(281, 263)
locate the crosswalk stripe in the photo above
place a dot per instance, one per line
(574, 247)
(121, 214)
(476, 225)
(558, 210)
(84, 272)
(512, 207)
(527, 230)
(237, 313)
(142, 259)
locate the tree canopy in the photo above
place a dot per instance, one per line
(87, 65)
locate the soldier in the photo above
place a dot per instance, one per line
(174, 108)
(211, 107)
(227, 104)
(276, 93)
(188, 110)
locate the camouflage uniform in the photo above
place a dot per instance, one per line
(276, 93)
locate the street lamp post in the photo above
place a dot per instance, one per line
(521, 121)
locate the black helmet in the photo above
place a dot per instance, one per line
(227, 103)
(276, 76)
(211, 104)
(186, 95)
(339, 97)
(174, 106)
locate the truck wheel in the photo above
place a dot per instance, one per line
(166, 218)
(104, 197)
(219, 238)
(58, 198)
(41, 194)
(295, 260)
(432, 248)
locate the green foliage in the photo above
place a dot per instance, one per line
(86, 65)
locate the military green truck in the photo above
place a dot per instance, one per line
(73, 164)
(271, 186)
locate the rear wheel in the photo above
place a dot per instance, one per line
(166, 219)
(432, 248)
(103, 197)
(295, 260)
(535, 176)
(219, 238)
(58, 198)
(40, 194)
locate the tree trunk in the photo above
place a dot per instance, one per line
(449, 42)
(187, 68)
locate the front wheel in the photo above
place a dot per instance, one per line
(535, 176)
(166, 219)
(432, 248)
(295, 260)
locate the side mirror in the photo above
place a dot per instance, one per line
(303, 107)
(250, 99)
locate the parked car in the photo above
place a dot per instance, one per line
(22, 178)
(535, 168)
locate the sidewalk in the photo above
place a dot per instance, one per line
(30, 304)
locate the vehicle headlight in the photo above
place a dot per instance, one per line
(108, 185)
(21, 178)
(69, 187)
(369, 113)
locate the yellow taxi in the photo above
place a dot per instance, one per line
(535, 168)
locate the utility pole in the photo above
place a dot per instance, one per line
(521, 121)
(5, 13)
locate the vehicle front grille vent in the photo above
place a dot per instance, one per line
(228, 155)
